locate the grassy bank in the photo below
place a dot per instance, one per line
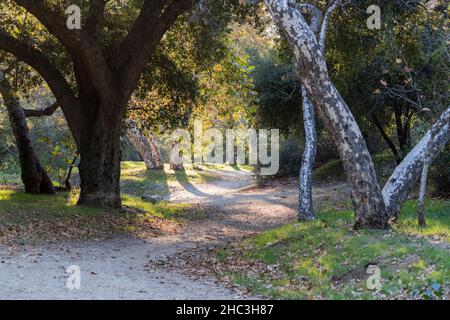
(30, 219)
(326, 259)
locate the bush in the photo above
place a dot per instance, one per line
(440, 173)
(290, 159)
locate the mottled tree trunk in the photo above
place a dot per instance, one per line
(366, 194)
(172, 163)
(405, 175)
(34, 177)
(305, 202)
(146, 146)
(422, 190)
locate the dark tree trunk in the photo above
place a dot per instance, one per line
(34, 177)
(106, 76)
(386, 138)
(100, 157)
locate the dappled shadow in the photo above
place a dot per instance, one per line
(148, 182)
(29, 219)
(183, 180)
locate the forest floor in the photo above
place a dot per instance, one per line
(215, 236)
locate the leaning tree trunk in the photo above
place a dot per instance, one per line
(146, 147)
(173, 165)
(404, 177)
(423, 185)
(366, 194)
(305, 202)
(34, 177)
(156, 154)
(100, 156)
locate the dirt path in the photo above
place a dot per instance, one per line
(129, 268)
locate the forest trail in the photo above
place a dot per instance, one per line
(130, 268)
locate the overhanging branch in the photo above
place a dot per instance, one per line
(77, 42)
(326, 19)
(41, 112)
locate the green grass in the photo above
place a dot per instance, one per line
(34, 219)
(327, 259)
(136, 180)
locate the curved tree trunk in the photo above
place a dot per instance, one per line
(34, 177)
(366, 193)
(156, 154)
(174, 166)
(305, 203)
(404, 177)
(387, 139)
(146, 147)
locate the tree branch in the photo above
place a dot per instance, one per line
(38, 61)
(386, 138)
(137, 48)
(315, 15)
(77, 42)
(326, 20)
(41, 112)
(94, 22)
(141, 30)
(52, 76)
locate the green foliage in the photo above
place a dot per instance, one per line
(7, 146)
(193, 67)
(55, 146)
(440, 173)
(402, 68)
(279, 94)
(333, 170)
(290, 158)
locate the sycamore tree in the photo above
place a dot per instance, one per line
(93, 70)
(372, 207)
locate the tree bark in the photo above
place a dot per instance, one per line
(146, 147)
(100, 156)
(305, 206)
(305, 202)
(366, 194)
(34, 176)
(422, 189)
(404, 177)
(174, 166)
